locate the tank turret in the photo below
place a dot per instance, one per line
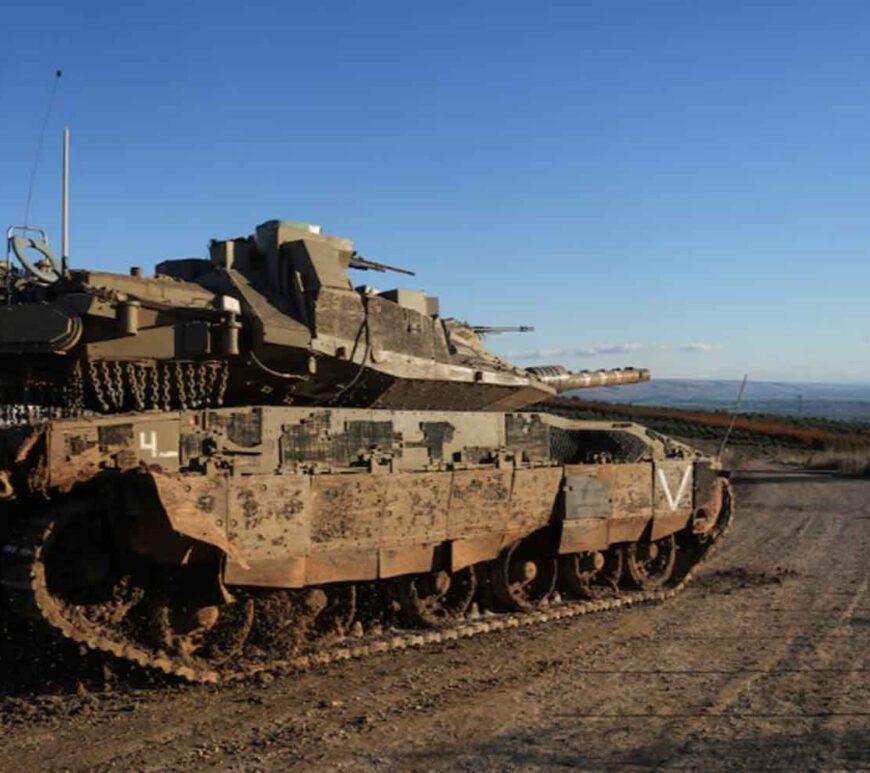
(271, 318)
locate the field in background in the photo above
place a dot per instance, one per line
(805, 442)
(844, 402)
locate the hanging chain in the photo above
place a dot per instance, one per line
(190, 372)
(222, 386)
(167, 394)
(154, 375)
(179, 385)
(73, 392)
(131, 379)
(200, 384)
(108, 386)
(211, 380)
(117, 387)
(142, 386)
(136, 377)
(142, 373)
(97, 384)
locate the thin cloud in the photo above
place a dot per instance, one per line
(604, 350)
(596, 349)
(699, 347)
(592, 350)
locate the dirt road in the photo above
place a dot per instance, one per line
(761, 663)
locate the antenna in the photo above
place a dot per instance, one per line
(57, 76)
(733, 417)
(64, 214)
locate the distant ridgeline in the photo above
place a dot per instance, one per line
(708, 420)
(751, 429)
(843, 402)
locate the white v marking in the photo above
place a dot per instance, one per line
(674, 501)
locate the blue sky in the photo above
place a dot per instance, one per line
(679, 185)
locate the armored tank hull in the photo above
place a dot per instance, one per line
(216, 543)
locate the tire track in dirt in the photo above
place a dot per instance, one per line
(817, 618)
(708, 679)
(735, 685)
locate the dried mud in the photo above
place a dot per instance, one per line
(739, 577)
(760, 664)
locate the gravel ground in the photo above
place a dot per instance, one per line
(762, 663)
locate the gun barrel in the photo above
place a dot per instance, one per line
(564, 380)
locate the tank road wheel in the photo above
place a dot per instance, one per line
(334, 608)
(285, 621)
(115, 594)
(184, 621)
(650, 563)
(524, 574)
(81, 571)
(216, 632)
(437, 598)
(227, 638)
(591, 574)
(723, 519)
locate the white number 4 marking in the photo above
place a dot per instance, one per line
(148, 442)
(674, 501)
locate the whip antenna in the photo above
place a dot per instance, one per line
(57, 76)
(733, 417)
(64, 206)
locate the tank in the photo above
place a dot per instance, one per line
(246, 462)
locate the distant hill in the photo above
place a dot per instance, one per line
(848, 402)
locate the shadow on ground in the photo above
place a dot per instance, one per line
(819, 749)
(42, 675)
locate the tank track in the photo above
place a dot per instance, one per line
(24, 581)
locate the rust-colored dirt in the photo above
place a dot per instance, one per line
(760, 664)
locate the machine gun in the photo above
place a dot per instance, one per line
(486, 330)
(364, 264)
